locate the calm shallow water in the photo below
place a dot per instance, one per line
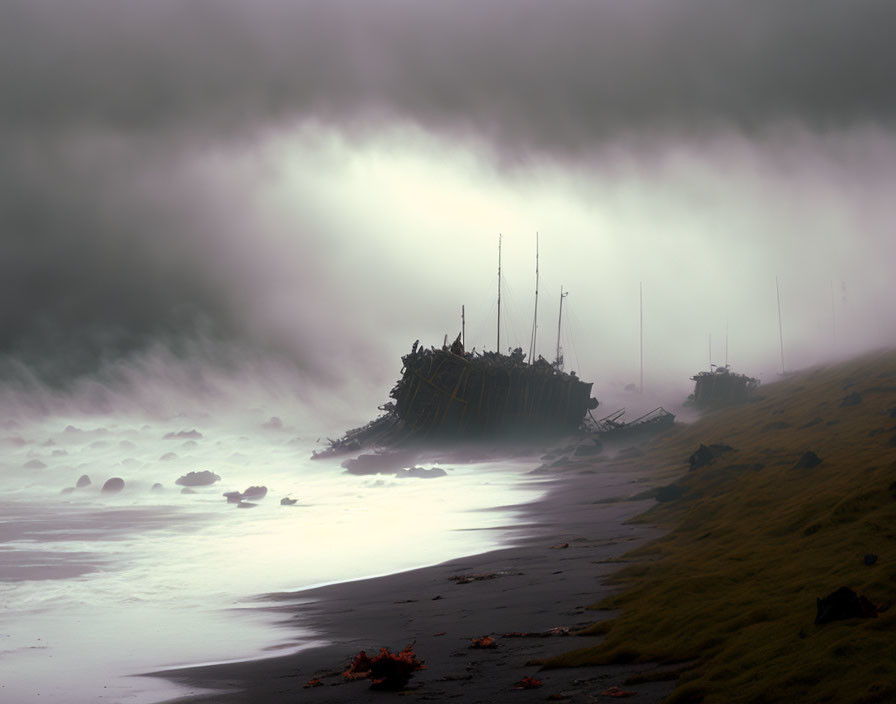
(96, 587)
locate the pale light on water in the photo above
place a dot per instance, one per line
(96, 587)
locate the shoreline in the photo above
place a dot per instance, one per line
(532, 586)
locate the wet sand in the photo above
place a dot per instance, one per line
(534, 586)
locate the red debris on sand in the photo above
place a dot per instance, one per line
(528, 683)
(387, 670)
(440, 633)
(359, 667)
(483, 643)
(562, 546)
(313, 682)
(618, 693)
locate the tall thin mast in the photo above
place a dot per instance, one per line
(641, 294)
(563, 295)
(463, 328)
(535, 319)
(499, 295)
(780, 327)
(726, 343)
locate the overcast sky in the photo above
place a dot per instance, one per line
(320, 184)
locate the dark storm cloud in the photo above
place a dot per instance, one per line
(537, 74)
(109, 246)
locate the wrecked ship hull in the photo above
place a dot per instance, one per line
(442, 393)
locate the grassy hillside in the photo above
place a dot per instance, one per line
(754, 540)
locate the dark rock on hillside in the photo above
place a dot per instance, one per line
(286, 501)
(706, 454)
(203, 478)
(853, 399)
(83, 481)
(843, 604)
(113, 485)
(808, 461)
(672, 492)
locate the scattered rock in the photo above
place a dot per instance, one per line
(852, 399)
(203, 478)
(34, 464)
(706, 454)
(60, 453)
(97, 444)
(808, 461)
(113, 485)
(273, 424)
(233, 497)
(255, 492)
(187, 490)
(244, 504)
(421, 473)
(126, 445)
(870, 559)
(814, 421)
(168, 457)
(378, 463)
(671, 492)
(483, 643)
(157, 487)
(843, 604)
(67, 490)
(286, 501)
(83, 481)
(185, 434)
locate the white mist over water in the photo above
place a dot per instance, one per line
(97, 587)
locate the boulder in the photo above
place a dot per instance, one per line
(233, 497)
(187, 490)
(67, 490)
(255, 492)
(168, 457)
(157, 487)
(83, 481)
(203, 478)
(34, 464)
(843, 604)
(286, 501)
(808, 461)
(707, 454)
(244, 504)
(113, 485)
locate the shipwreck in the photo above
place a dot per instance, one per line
(721, 387)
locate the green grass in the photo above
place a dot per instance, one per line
(754, 541)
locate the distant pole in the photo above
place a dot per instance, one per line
(833, 312)
(726, 343)
(710, 351)
(535, 320)
(780, 326)
(463, 328)
(559, 319)
(499, 294)
(641, 295)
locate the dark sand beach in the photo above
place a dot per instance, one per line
(568, 543)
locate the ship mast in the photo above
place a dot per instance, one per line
(535, 319)
(780, 326)
(499, 295)
(559, 360)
